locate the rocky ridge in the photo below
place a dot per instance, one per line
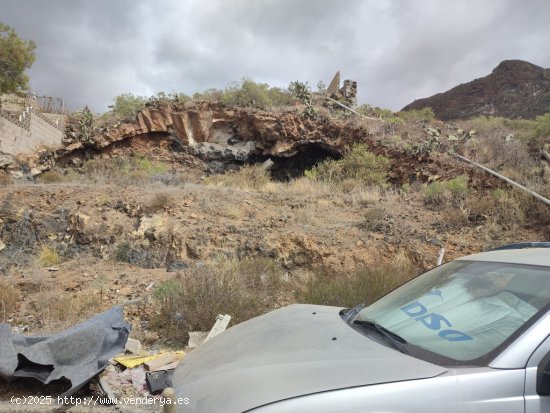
(514, 89)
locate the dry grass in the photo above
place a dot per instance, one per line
(364, 285)
(48, 256)
(253, 286)
(5, 179)
(59, 309)
(308, 215)
(513, 158)
(366, 196)
(503, 207)
(9, 297)
(190, 176)
(52, 177)
(306, 186)
(234, 212)
(249, 177)
(191, 301)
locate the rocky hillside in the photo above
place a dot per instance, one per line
(514, 89)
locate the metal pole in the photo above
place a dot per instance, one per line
(532, 193)
(350, 109)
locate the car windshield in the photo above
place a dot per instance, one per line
(464, 309)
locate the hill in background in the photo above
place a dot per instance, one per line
(514, 89)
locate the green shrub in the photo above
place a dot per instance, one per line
(446, 192)
(149, 167)
(123, 170)
(359, 164)
(522, 129)
(542, 126)
(260, 95)
(423, 115)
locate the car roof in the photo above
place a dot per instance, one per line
(528, 256)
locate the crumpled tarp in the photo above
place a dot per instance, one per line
(77, 354)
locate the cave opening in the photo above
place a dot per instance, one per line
(307, 156)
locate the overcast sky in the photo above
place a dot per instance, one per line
(89, 51)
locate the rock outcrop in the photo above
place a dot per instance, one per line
(238, 131)
(216, 132)
(514, 89)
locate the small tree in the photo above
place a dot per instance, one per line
(302, 92)
(128, 105)
(16, 55)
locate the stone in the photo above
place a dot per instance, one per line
(133, 346)
(6, 160)
(196, 338)
(222, 321)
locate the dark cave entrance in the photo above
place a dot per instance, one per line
(308, 155)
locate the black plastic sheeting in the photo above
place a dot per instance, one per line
(77, 354)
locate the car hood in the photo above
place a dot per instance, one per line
(293, 351)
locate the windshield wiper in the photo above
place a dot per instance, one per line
(348, 313)
(395, 340)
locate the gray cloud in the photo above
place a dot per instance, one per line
(90, 51)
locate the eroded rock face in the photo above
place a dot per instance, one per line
(217, 134)
(514, 89)
(218, 131)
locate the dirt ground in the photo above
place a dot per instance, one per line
(73, 248)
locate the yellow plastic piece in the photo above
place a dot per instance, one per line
(133, 361)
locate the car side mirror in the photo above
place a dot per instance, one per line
(543, 377)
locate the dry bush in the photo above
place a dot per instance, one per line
(5, 179)
(308, 215)
(160, 201)
(242, 289)
(233, 213)
(374, 219)
(190, 176)
(59, 309)
(512, 158)
(9, 297)
(364, 285)
(503, 207)
(248, 177)
(52, 177)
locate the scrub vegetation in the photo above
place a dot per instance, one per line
(253, 286)
(146, 221)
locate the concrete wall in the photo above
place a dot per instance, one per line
(13, 138)
(16, 138)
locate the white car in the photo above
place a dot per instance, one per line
(472, 335)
